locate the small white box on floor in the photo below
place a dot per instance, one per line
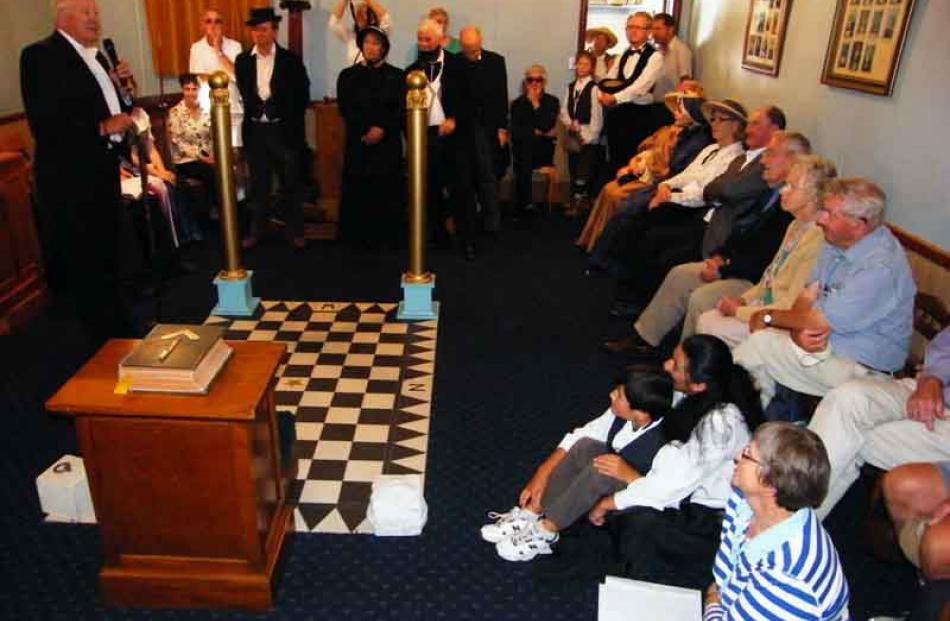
(622, 599)
(64, 492)
(397, 507)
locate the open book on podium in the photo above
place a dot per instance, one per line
(622, 599)
(176, 359)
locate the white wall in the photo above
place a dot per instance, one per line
(900, 141)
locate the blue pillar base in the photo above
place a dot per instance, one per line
(235, 298)
(417, 301)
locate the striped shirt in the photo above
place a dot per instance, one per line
(789, 571)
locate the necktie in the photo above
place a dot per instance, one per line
(433, 70)
(711, 155)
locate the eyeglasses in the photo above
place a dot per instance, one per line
(214, 20)
(721, 119)
(747, 455)
(532, 79)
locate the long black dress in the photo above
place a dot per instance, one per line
(529, 150)
(371, 205)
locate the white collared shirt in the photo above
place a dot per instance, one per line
(265, 71)
(106, 85)
(751, 155)
(436, 111)
(640, 92)
(204, 60)
(589, 132)
(711, 162)
(677, 63)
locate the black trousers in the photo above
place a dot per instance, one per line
(626, 127)
(583, 168)
(206, 175)
(268, 153)
(477, 165)
(450, 192)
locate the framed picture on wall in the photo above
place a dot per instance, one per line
(765, 35)
(865, 45)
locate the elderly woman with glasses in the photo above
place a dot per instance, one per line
(775, 559)
(533, 130)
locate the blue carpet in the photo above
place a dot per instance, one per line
(518, 365)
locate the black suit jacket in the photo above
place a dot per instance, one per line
(290, 93)
(733, 193)
(488, 88)
(456, 99)
(755, 239)
(64, 106)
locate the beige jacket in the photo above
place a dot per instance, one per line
(790, 279)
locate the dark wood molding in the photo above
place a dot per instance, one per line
(928, 250)
(12, 118)
(582, 25)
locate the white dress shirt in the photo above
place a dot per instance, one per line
(599, 428)
(677, 62)
(346, 34)
(590, 132)
(711, 162)
(701, 468)
(436, 112)
(640, 91)
(600, 66)
(204, 61)
(106, 85)
(265, 71)
(751, 155)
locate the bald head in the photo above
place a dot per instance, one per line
(80, 20)
(470, 39)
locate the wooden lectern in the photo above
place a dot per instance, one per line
(189, 491)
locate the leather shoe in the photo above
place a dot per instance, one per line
(632, 344)
(625, 310)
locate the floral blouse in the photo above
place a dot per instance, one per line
(189, 135)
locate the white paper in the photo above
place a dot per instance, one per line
(621, 599)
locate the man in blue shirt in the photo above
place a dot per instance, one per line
(855, 318)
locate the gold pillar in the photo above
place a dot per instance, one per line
(417, 112)
(224, 175)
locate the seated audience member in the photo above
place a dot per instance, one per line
(886, 422)
(582, 118)
(775, 560)
(784, 278)
(918, 498)
(666, 152)
(732, 267)
(365, 13)
(600, 458)
(533, 132)
(688, 225)
(753, 239)
(599, 40)
(664, 526)
(189, 134)
(370, 100)
(854, 319)
(160, 183)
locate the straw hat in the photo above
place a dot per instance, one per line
(692, 95)
(601, 30)
(727, 106)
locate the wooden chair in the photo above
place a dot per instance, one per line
(552, 179)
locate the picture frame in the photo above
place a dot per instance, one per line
(765, 35)
(865, 46)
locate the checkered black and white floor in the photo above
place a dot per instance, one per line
(360, 386)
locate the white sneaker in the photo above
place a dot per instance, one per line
(507, 524)
(527, 544)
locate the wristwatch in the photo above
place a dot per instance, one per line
(767, 319)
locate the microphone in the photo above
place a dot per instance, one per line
(127, 84)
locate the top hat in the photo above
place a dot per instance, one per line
(260, 16)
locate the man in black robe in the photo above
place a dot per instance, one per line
(370, 98)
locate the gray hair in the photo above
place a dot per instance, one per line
(861, 198)
(816, 171)
(431, 26)
(794, 142)
(794, 462)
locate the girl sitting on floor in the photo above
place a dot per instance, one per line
(600, 458)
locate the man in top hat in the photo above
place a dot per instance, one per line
(276, 90)
(630, 92)
(79, 121)
(600, 40)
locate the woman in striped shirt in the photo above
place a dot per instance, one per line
(775, 559)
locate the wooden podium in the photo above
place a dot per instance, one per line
(189, 491)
